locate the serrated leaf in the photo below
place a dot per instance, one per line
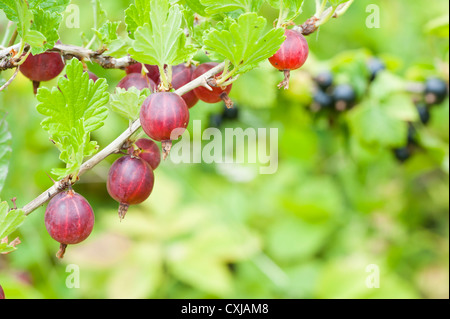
(108, 32)
(73, 112)
(291, 8)
(197, 7)
(161, 41)
(220, 6)
(137, 15)
(47, 24)
(5, 151)
(127, 103)
(119, 47)
(245, 43)
(9, 220)
(372, 125)
(52, 6)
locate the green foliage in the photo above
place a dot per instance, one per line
(73, 111)
(244, 42)
(127, 103)
(5, 150)
(9, 222)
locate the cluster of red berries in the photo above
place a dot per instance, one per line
(164, 116)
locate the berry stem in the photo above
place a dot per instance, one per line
(285, 83)
(228, 102)
(61, 251)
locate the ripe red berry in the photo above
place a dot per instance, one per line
(291, 55)
(130, 182)
(153, 71)
(42, 67)
(149, 152)
(217, 93)
(69, 219)
(182, 75)
(2, 293)
(162, 113)
(137, 80)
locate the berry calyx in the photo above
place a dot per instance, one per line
(217, 93)
(42, 67)
(164, 117)
(137, 80)
(182, 75)
(149, 152)
(69, 219)
(130, 182)
(435, 91)
(291, 55)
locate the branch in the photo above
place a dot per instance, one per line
(113, 147)
(313, 23)
(68, 52)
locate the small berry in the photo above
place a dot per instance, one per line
(218, 93)
(69, 219)
(322, 100)
(291, 55)
(402, 154)
(42, 67)
(149, 152)
(344, 96)
(137, 80)
(412, 135)
(153, 71)
(182, 75)
(2, 293)
(164, 117)
(215, 120)
(435, 91)
(375, 66)
(230, 113)
(130, 182)
(324, 80)
(424, 113)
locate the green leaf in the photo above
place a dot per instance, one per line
(197, 7)
(161, 40)
(73, 112)
(292, 8)
(137, 15)
(9, 222)
(47, 24)
(373, 125)
(127, 103)
(221, 6)
(108, 32)
(245, 43)
(5, 151)
(438, 26)
(52, 6)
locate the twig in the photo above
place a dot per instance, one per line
(4, 86)
(113, 147)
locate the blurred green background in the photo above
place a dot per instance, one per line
(310, 230)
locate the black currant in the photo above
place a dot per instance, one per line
(322, 100)
(230, 113)
(402, 154)
(215, 120)
(435, 91)
(324, 80)
(424, 113)
(375, 66)
(344, 96)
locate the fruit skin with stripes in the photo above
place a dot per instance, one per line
(137, 80)
(217, 93)
(149, 152)
(182, 75)
(162, 114)
(42, 67)
(153, 71)
(130, 182)
(69, 219)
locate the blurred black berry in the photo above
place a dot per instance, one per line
(424, 113)
(230, 113)
(344, 96)
(435, 91)
(375, 66)
(402, 154)
(322, 100)
(215, 120)
(324, 80)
